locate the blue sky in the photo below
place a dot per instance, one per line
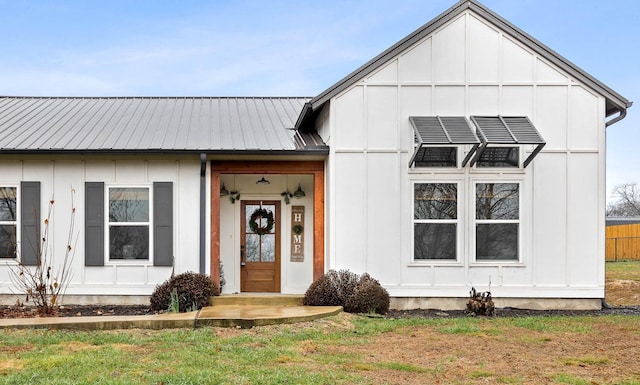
(285, 48)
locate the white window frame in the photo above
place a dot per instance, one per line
(15, 223)
(108, 224)
(474, 221)
(458, 222)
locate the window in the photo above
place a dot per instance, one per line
(8, 222)
(497, 221)
(118, 222)
(129, 223)
(435, 225)
(499, 157)
(436, 157)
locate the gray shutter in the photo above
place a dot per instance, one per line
(94, 224)
(163, 223)
(30, 223)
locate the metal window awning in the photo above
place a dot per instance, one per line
(438, 131)
(515, 130)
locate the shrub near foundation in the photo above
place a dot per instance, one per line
(356, 294)
(191, 290)
(368, 297)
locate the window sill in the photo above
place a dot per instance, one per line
(128, 262)
(497, 264)
(435, 262)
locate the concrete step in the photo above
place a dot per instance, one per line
(257, 299)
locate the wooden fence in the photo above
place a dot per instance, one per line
(623, 242)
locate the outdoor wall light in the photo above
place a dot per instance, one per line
(299, 193)
(263, 181)
(223, 191)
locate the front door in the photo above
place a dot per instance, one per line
(260, 246)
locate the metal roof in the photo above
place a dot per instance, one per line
(614, 101)
(162, 124)
(617, 221)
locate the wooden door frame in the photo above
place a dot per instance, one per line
(314, 168)
(278, 257)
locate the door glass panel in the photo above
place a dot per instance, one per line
(253, 247)
(268, 248)
(249, 209)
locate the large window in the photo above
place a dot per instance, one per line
(8, 222)
(497, 221)
(435, 221)
(129, 223)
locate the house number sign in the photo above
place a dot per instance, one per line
(297, 233)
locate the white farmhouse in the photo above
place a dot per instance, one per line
(467, 154)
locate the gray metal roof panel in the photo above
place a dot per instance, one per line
(614, 101)
(144, 123)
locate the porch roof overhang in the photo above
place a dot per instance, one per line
(438, 131)
(507, 130)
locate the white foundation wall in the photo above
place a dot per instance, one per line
(295, 276)
(59, 175)
(466, 68)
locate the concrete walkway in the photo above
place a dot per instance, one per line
(227, 311)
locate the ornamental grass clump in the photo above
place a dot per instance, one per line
(191, 291)
(356, 294)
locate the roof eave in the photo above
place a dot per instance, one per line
(320, 150)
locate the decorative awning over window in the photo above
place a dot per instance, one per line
(438, 138)
(506, 130)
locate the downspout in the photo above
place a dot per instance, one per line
(203, 209)
(623, 114)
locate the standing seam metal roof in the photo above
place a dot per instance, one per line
(206, 124)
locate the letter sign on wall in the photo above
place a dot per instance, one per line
(297, 233)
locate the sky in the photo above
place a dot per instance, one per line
(286, 48)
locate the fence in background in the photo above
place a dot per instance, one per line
(622, 249)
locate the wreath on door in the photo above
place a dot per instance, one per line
(255, 222)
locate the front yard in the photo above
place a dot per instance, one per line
(344, 349)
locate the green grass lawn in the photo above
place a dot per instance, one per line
(623, 270)
(344, 349)
(340, 350)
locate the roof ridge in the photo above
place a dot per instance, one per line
(156, 97)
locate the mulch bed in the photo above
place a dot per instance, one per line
(511, 312)
(111, 310)
(76, 311)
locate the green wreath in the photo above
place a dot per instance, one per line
(262, 214)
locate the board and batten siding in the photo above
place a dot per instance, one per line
(176, 181)
(468, 67)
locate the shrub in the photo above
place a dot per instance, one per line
(356, 294)
(193, 292)
(332, 289)
(368, 297)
